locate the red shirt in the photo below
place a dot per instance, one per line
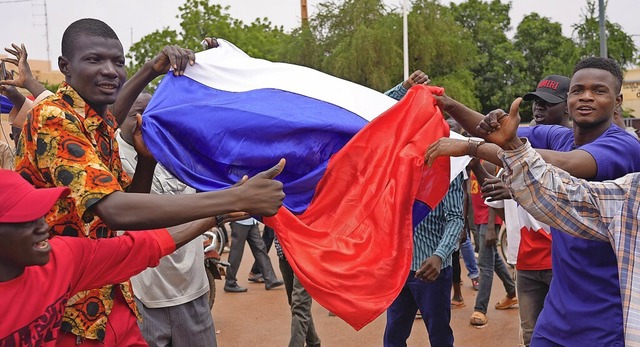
(534, 252)
(32, 304)
(480, 209)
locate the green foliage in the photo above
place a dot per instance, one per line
(620, 45)
(52, 87)
(463, 47)
(546, 51)
(499, 68)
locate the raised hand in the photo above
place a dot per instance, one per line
(262, 195)
(209, 42)
(501, 128)
(173, 57)
(24, 78)
(417, 77)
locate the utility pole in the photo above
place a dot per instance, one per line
(603, 33)
(45, 16)
(304, 15)
(405, 39)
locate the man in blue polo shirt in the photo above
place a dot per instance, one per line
(583, 307)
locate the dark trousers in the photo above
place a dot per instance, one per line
(302, 328)
(267, 236)
(433, 299)
(241, 234)
(457, 270)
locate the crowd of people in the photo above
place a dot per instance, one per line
(81, 167)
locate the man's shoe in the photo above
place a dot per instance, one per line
(256, 278)
(275, 284)
(506, 303)
(234, 289)
(475, 284)
(478, 320)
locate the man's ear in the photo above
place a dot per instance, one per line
(63, 65)
(619, 100)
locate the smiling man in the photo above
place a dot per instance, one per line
(584, 305)
(30, 262)
(69, 141)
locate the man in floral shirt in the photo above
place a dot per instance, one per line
(69, 141)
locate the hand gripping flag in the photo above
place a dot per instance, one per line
(347, 226)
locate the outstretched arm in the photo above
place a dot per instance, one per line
(173, 57)
(260, 195)
(400, 90)
(578, 162)
(551, 195)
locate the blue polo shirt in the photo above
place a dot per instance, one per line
(583, 306)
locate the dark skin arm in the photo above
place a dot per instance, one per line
(481, 170)
(145, 168)
(491, 237)
(171, 57)
(24, 78)
(493, 189)
(578, 163)
(261, 195)
(465, 211)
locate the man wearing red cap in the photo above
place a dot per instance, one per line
(38, 275)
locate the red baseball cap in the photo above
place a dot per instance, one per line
(20, 202)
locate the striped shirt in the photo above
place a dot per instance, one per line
(606, 211)
(439, 233)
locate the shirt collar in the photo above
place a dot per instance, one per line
(92, 119)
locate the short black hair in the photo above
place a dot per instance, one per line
(600, 63)
(85, 26)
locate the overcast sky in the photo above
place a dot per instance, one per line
(23, 21)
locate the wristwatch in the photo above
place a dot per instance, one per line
(474, 143)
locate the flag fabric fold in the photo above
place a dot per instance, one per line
(347, 223)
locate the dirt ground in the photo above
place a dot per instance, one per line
(262, 318)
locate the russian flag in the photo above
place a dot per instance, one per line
(354, 179)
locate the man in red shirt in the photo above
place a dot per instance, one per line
(30, 261)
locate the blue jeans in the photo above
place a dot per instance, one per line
(489, 261)
(469, 257)
(533, 286)
(434, 301)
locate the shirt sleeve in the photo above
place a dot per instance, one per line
(606, 152)
(455, 221)
(397, 92)
(578, 207)
(544, 136)
(64, 153)
(114, 260)
(17, 119)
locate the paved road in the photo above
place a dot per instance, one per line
(261, 318)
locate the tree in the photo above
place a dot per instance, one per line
(545, 49)
(442, 48)
(200, 19)
(359, 43)
(620, 45)
(499, 68)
